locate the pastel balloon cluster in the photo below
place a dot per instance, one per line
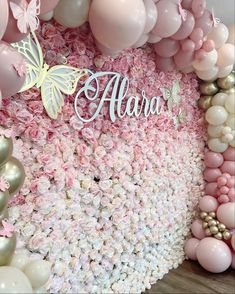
(213, 244)
(23, 275)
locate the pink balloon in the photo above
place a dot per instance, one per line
(213, 159)
(196, 35)
(47, 6)
(186, 27)
(183, 59)
(12, 33)
(198, 7)
(208, 45)
(225, 71)
(113, 24)
(4, 14)
(197, 229)
(211, 189)
(209, 74)
(188, 45)
(228, 167)
(200, 55)
(211, 174)
(226, 55)
(11, 80)
(107, 51)
(142, 40)
(169, 19)
(208, 203)
(214, 255)
(205, 22)
(151, 15)
(229, 154)
(226, 214)
(187, 4)
(165, 64)
(167, 47)
(154, 39)
(190, 248)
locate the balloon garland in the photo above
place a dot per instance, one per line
(187, 37)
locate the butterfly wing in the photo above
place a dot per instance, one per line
(20, 15)
(167, 96)
(60, 80)
(175, 92)
(32, 11)
(31, 50)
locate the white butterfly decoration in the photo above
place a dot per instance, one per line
(26, 15)
(54, 82)
(215, 20)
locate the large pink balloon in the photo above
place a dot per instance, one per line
(151, 15)
(4, 14)
(169, 19)
(190, 248)
(226, 214)
(167, 47)
(12, 74)
(205, 22)
(165, 64)
(47, 5)
(214, 255)
(107, 51)
(186, 27)
(12, 33)
(117, 24)
(183, 59)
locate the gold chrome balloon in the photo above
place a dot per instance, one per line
(4, 214)
(208, 88)
(227, 235)
(229, 91)
(205, 102)
(6, 148)
(227, 82)
(212, 214)
(218, 236)
(13, 172)
(7, 248)
(214, 230)
(203, 215)
(3, 200)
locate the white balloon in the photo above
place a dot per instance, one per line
(12, 280)
(142, 40)
(47, 16)
(151, 15)
(208, 75)
(72, 13)
(216, 115)
(216, 145)
(19, 261)
(206, 63)
(38, 272)
(154, 39)
(231, 121)
(230, 103)
(219, 34)
(224, 71)
(215, 131)
(219, 99)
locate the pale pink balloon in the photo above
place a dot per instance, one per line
(208, 45)
(224, 71)
(228, 167)
(211, 189)
(205, 22)
(226, 55)
(226, 214)
(229, 154)
(208, 203)
(188, 45)
(190, 248)
(12, 33)
(142, 40)
(165, 64)
(211, 174)
(219, 34)
(198, 7)
(154, 39)
(200, 55)
(187, 70)
(207, 63)
(47, 5)
(169, 19)
(4, 14)
(214, 255)
(151, 15)
(208, 75)
(11, 80)
(198, 45)
(197, 229)
(186, 27)
(213, 159)
(183, 59)
(107, 51)
(187, 4)
(196, 35)
(117, 24)
(233, 241)
(167, 47)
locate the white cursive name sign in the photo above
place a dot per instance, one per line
(115, 93)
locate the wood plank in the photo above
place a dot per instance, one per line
(191, 278)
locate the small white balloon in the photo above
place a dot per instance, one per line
(217, 145)
(216, 115)
(72, 13)
(38, 272)
(215, 131)
(230, 103)
(13, 280)
(231, 121)
(47, 16)
(219, 99)
(19, 261)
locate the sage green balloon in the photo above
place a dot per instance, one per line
(6, 148)
(7, 248)
(13, 172)
(4, 196)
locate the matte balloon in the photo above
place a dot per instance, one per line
(14, 173)
(12, 70)
(7, 248)
(213, 159)
(72, 13)
(208, 45)
(211, 174)
(214, 255)
(151, 15)
(207, 62)
(38, 272)
(167, 47)
(47, 6)
(229, 154)
(190, 248)
(169, 19)
(196, 35)
(224, 71)
(198, 7)
(208, 75)
(142, 40)
(6, 148)
(219, 34)
(154, 39)
(113, 24)
(216, 145)
(186, 27)
(187, 4)
(19, 260)
(47, 16)
(183, 59)
(165, 64)
(4, 14)
(188, 45)
(197, 229)
(205, 22)
(107, 51)
(14, 281)
(208, 203)
(226, 55)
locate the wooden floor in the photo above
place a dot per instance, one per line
(190, 278)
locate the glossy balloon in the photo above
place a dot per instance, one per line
(208, 75)
(4, 14)
(151, 15)
(167, 47)
(226, 214)
(38, 272)
(47, 16)
(19, 260)
(7, 248)
(226, 55)
(205, 22)
(186, 28)
(219, 35)
(13, 172)
(4, 196)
